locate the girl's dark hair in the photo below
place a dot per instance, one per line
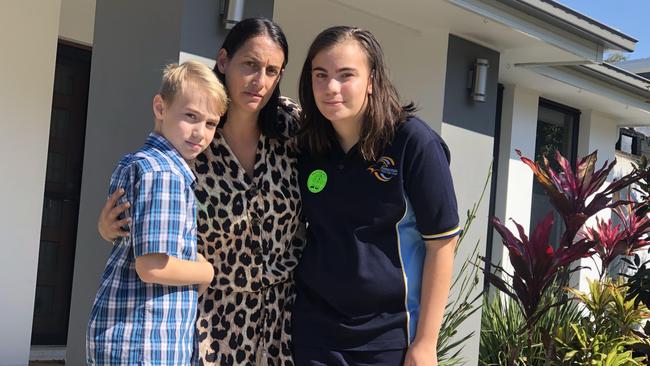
(238, 35)
(383, 112)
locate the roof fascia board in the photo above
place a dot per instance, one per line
(614, 38)
(535, 27)
(620, 75)
(616, 91)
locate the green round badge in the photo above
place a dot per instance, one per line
(316, 181)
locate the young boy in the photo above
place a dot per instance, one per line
(145, 307)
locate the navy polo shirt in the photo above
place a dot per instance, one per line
(359, 279)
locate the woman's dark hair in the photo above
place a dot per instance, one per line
(383, 112)
(238, 35)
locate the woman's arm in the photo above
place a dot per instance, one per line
(109, 227)
(436, 279)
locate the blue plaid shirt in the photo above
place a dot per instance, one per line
(137, 323)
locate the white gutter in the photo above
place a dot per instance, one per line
(618, 41)
(622, 76)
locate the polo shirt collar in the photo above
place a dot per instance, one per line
(338, 154)
(158, 142)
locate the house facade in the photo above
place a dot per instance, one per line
(77, 81)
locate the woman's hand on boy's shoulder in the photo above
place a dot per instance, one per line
(108, 225)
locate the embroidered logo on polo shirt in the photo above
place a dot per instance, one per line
(383, 169)
(316, 181)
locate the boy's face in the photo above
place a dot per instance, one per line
(188, 122)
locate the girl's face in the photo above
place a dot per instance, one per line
(341, 84)
(252, 73)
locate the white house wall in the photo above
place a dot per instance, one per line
(77, 21)
(27, 77)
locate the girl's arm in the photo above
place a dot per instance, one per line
(436, 279)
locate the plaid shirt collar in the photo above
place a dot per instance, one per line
(156, 141)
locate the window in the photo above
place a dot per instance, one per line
(629, 141)
(557, 129)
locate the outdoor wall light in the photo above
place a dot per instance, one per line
(233, 13)
(477, 81)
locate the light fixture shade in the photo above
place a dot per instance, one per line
(234, 12)
(479, 82)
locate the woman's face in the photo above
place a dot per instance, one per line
(252, 73)
(341, 84)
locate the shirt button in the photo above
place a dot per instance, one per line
(340, 166)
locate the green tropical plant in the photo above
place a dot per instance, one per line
(581, 348)
(638, 285)
(506, 338)
(616, 57)
(639, 281)
(608, 331)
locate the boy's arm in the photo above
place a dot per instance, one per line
(160, 220)
(166, 270)
(436, 279)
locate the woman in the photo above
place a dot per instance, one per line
(381, 214)
(248, 201)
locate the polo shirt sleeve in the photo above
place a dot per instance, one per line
(430, 188)
(159, 214)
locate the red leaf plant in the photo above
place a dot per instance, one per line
(611, 241)
(568, 191)
(535, 262)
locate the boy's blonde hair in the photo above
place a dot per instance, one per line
(193, 74)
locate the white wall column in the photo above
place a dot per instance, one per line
(29, 43)
(515, 179)
(597, 132)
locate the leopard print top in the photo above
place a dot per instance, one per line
(248, 226)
